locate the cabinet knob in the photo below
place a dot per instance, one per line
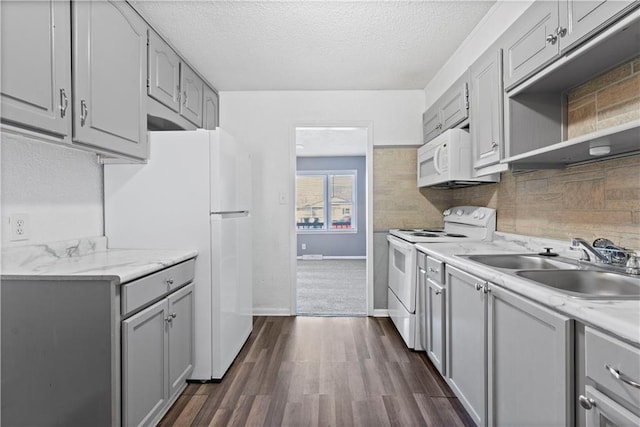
(84, 112)
(169, 281)
(64, 103)
(438, 292)
(168, 319)
(586, 402)
(486, 289)
(173, 315)
(433, 270)
(552, 39)
(478, 286)
(561, 31)
(494, 145)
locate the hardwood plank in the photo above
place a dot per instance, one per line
(305, 371)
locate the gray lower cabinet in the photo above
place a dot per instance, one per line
(164, 72)
(466, 342)
(605, 411)
(436, 321)
(192, 88)
(507, 357)
(486, 121)
(157, 354)
(35, 89)
(110, 84)
(211, 112)
(530, 358)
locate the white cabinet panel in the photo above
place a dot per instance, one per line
(192, 90)
(164, 72)
(180, 338)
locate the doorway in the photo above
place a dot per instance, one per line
(331, 220)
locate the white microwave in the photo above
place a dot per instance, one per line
(446, 162)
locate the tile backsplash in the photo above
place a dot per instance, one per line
(610, 99)
(596, 200)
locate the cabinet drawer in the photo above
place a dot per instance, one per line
(435, 270)
(604, 353)
(141, 292)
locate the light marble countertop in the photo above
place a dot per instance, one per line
(86, 259)
(618, 317)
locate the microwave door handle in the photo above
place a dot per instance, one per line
(436, 159)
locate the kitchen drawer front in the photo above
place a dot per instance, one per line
(602, 350)
(141, 292)
(435, 270)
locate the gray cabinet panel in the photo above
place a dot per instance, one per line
(164, 72)
(487, 109)
(36, 65)
(431, 126)
(210, 113)
(110, 83)
(530, 360)
(466, 368)
(580, 19)
(145, 349)
(180, 338)
(606, 412)
(454, 105)
(436, 322)
(192, 88)
(526, 48)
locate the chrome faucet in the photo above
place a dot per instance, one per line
(592, 254)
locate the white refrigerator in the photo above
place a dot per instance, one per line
(194, 193)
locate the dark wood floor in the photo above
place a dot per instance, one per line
(322, 371)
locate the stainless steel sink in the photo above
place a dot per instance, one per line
(587, 283)
(521, 262)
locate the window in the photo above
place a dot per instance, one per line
(326, 201)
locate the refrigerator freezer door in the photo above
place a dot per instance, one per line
(230, 174)
(232, 296)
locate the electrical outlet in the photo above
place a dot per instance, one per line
(19, 226)
(304, 246)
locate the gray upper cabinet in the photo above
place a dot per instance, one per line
(486, 121)
(164, 72)
(529, 354)
(192, 90)
(579, 19)
(549, 28)
(36, 66)
(530, 42)
(449, 110)
(210, 113)
(110, 87)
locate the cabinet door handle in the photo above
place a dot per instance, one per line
(478, 286)
(586, 403)
(494, 146)
(168, 319)
(173, 315)
(552, 39)
(169, 281)
(179, 94)
(433, 270)
(84, 112)
(437, 292)
(64, 103)
(620, 376)
(485, 288)
(561, 31)
(184, 98)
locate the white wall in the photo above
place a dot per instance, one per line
(494, 23)
(59, 188)
(265, 121)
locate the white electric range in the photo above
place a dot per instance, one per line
(461, 223)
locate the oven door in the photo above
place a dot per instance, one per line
(402, 272)
(433, 165)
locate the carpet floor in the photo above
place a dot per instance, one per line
(332, 287)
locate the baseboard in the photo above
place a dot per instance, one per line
(380, 312)
(272, 312)
(321, 257)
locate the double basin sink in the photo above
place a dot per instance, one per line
(564, 275)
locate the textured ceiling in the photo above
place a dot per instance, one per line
(315, 45)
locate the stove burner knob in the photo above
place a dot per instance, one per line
(475, 215)
(459, 212)
(481, 215)
(447, 212)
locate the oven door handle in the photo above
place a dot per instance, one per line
(436, 159)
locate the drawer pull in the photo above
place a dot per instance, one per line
(169, 281)
(438, 292)
(586, 402)
(620, 376)
(433, 270)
